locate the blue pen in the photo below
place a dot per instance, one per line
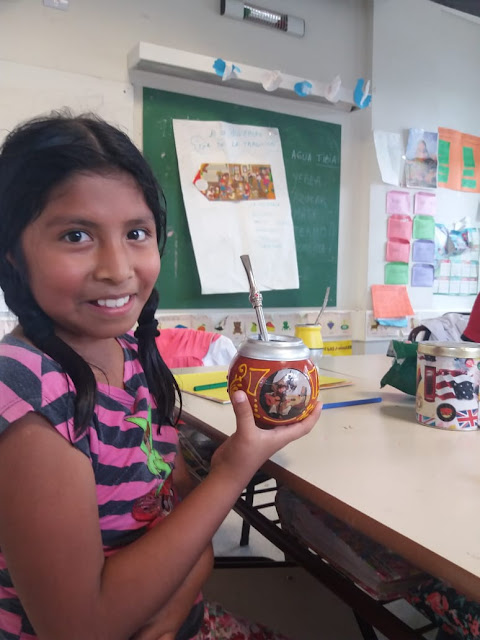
(350, 403)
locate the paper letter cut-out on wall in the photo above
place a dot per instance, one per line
(333, 89)
(303, 88)
(272, 80)
(224, 69)
(361, 95)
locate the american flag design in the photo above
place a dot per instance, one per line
(454, 384)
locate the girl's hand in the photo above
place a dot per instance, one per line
(249, 447)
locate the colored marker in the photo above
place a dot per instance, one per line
(213, 385)
(350, 403)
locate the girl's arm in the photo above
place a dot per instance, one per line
(50, 532)
(182, 480)
(171, 616)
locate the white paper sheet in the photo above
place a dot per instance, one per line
(222, 229)
(390, 155)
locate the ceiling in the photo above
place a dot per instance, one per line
(467, 6)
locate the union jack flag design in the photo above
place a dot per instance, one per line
(467, 419)
(427, 420)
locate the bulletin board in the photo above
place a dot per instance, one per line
(311, 151)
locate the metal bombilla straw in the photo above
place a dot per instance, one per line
(255, 298)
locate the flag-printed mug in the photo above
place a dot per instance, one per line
(448, 377)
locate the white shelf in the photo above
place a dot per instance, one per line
(153, 58)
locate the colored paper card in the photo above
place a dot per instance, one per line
(398, 202)
(425, 203)
(390, 301)
(396, 273)
(422, 275)
(399, 227)
(397, 251)
(187, 382)
(423, 251)
(392, 322)
(329, 382)
(423, 227)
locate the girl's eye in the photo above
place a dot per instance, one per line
(76, 236)
(137, 234)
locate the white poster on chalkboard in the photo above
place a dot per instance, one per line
(236, 199)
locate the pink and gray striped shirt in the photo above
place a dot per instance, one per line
(131, 457)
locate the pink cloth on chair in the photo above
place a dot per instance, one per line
(184, 347)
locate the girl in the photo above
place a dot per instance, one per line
(89, 466)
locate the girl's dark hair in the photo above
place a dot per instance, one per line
(35, 158)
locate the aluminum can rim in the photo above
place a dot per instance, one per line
(452, 349)
(276, 348)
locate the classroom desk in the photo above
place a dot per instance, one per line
(413, 488)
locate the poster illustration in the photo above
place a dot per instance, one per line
(237, 182)
(421, 159)
(234, 188)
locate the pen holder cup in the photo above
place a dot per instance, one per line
(279, 378)
(310, 334)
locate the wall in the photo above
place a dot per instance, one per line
(93, 38)
(425, 74)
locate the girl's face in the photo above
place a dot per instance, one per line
(92, 257)
(422, 151)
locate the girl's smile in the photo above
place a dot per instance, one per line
(114, 305)
(92, 257)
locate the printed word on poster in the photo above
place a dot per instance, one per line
(236, 199)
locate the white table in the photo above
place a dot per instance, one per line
(413, 488)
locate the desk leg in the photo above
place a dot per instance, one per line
(367, 631)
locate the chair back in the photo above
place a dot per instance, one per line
(181, 347)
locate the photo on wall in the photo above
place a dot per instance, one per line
(421, 159)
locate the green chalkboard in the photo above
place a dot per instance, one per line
(311, 151)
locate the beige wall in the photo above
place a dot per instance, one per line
(94, 36)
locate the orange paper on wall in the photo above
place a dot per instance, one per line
(458, 160)
(390, 301)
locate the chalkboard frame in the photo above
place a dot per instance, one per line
(312, 156)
